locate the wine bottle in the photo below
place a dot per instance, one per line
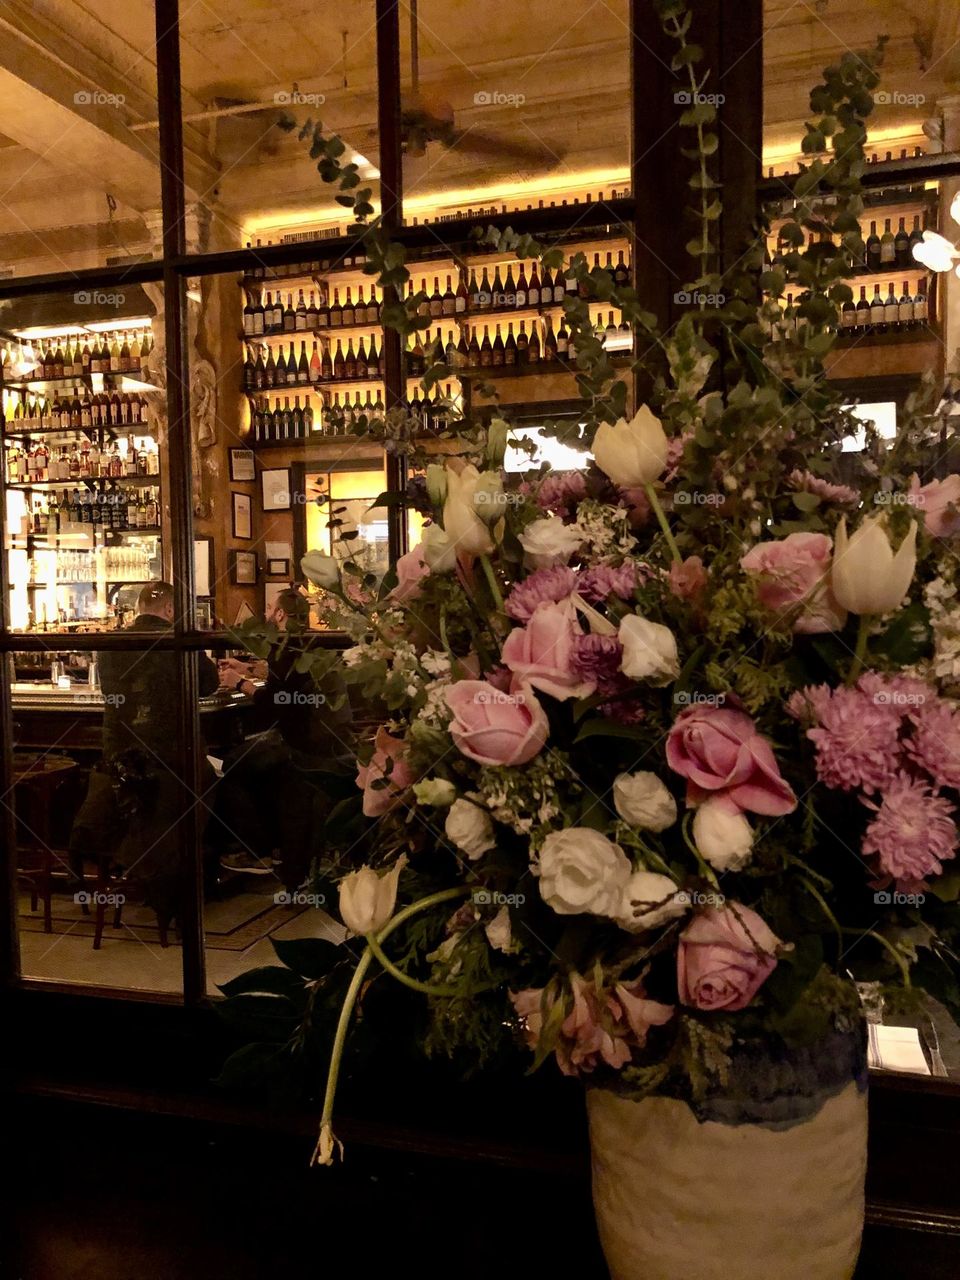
(891, 308)
(920, 306)
(876, 311)
(462, 294)
(436, 300)
(486, 349)
(348, 315)
(498, 349)
(902, 245)
(510, 347)
(448, 303)
(300, 315)
(873, 248)
(336, 311)
(533, 287)
(905, 308)
(289, 316)
(916, 237)
(888, 246)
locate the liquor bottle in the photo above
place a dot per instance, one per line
(313, 313)
(350, 361)
(920, 306)
(549, 342)
(877, 311)
(280, 375)
(533, 288)
(142, 512)
(349, 314)
(486, 349)
(289, 316)
(497, 292)
(336, 311)
(307, 418)
(131, 509)
(450, 351)
(473, 351)
(621, 272)
(303, 364)
(259, 371)
(510, 347)
(436, 300)
(448, 303)
(523, 343)
(902, 245)
(153, 509)
(248, 310)
(286, 420)
(533, 346)
(510, 288)
(916, 237)
(338, 362)
(300, 315)
(888, 246)
(316, 370)
(423, 309)
(497, 357)
(873, 248)
(473, 292)
(323, 312)
(547, 289)
(522, 288)
(610, 332)
(462, 294)
(905, 308)
(891, 308)
(563, 341)
(293, 375)
(373, 358)
(270, 372)
(268, 322)
(485, 294)
(373, 306)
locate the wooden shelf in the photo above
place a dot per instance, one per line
(138, 482)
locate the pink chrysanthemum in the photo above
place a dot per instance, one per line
(560, 491)
(807, 482)
(857, 744)
(604, 580)
(598, 658)
(913, 833)
(544, 586)
(935, 744)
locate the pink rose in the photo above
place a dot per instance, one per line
(411, 569)
(542, 652)
(688, 579)
(493, 727)
(724, 957)
(940, 503)
(718, 750)
(794, 574)
(389, 761)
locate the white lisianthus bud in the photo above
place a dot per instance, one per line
(632, 453)
(367, 899)
(321, 570)
(465, 530)
(723, 836)
(435, 791)
(468, 826)
(582, 871)
(436, 479)
(649, 900)
(642, 800)
(497, 434)
(438, 551)
(649, 650)
(489, 500)
(550, 542)
(498, 931)
(866, 577)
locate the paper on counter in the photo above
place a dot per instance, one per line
(896, 1049)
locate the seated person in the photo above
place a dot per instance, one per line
(277, 788)
(136, 795)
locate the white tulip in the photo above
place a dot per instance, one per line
(642, 800)
(468, 826)
(866, 577)
(649, 650)
(489, 500)
(465, 530)
(367, 899)
(321, 570)
(723, 836)
(648, 901)
(437, 549)
(582, 871)
(632, 453)
(550, 542)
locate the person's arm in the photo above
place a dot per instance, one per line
(208, 678)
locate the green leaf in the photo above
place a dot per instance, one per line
(806, 501)
(310, 957)
(268, 980)
(611, 729)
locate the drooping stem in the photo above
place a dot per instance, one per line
(427, 988)
(888, 946)
(492, 582)
(326, 1142)
(860, 653)
(706, 870)
(664, 522)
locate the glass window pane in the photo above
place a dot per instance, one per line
(80, 116)
(98, 792)
(85, 515)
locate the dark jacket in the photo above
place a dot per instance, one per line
(139, 702)
(290, 702)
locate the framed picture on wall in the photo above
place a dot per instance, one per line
(278, 567)
(275, 489)
(242, 515)
(242, 465)
(243, 568)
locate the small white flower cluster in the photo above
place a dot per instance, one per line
(436, 663)
(435, 711)
(940, 597)
(526, 800)
(360, 653)
(605, 530)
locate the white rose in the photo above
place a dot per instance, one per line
(631, 453)
(468, 534)
(642, 800)
(321, 570)
(549, 542)
(435, 791)
(498, 931)
(723, 837)
(649, 650)
(648, 901)
(468, 826)
(437, 549)
(582, 871)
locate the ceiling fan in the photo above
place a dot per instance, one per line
(427, 117)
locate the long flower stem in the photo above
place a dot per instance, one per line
(860, 653)
(323, 1152)
(427, 988)
(664, 522)
(492, 582)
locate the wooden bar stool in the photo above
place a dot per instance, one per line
(36, 781)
